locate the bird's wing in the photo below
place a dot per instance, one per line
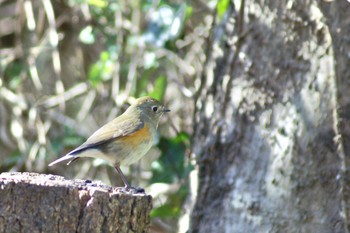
(118, 127)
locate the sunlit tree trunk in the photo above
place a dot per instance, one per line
(271, 135)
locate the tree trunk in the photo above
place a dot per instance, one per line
(31, 202)
(272, 129)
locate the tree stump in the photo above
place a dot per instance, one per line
(31, 202)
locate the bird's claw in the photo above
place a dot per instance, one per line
(132, 190)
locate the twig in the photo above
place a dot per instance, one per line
(75, 91)
(240, 25)
(53, 37)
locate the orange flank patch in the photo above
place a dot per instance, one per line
(138, 137)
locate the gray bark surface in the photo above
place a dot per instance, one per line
(31, 202)
(272, 129)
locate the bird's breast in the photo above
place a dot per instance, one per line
(139, 137)
(136, 145)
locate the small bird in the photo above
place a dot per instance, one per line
(125, 139)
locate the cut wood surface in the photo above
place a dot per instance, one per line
(31, 202)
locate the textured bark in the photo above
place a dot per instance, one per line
(31, 202)
(338, 20)
(272, 120)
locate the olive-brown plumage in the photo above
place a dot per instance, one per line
(125, 139)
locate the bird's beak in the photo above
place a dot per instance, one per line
(166, 110)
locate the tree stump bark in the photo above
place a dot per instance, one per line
(31, 202)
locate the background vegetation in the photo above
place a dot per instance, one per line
(261, 87)
(67, 67)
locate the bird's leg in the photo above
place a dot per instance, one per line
(128, 187)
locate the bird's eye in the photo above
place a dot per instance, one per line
(154, 108)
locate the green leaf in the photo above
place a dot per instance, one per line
(221, 7)
(171, 164)
(101, 70)
(104, 56)
(98, 3)
(94, 75)
(13, 74)
(159, 88)
(166, 210)
(189, 11)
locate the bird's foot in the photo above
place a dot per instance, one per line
(132, 190)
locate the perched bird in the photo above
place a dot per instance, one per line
(125, 139)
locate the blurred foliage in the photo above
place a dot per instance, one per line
(67, 67)
(171, 166)
(102, 70)
(221, 7)
(171, 209)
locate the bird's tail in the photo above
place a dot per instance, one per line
(64, 158)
